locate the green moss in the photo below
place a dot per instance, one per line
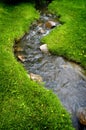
(69, 39)
(24, 104)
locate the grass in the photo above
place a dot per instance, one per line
(24, 105)
(69, 39)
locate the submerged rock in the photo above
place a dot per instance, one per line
(21, 58)
(16, 49)
(36, 77)
(81, 114)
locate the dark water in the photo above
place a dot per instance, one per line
(66, 79)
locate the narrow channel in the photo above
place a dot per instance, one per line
(66, 79)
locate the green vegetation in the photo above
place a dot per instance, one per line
(24, 104)
(69, 39)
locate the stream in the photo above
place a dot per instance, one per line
(66, 79)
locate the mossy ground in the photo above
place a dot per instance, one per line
(24, 104)
(69, 39)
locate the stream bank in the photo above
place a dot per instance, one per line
(66, 79)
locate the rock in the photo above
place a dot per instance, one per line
(44, 48)
(18, 49)
(21, 58)
(81, 114)
(41, 31)
(50, 24)
(36, 77)
(40, 24)
(49, 15)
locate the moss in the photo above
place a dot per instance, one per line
(24, 104)
(68, 40)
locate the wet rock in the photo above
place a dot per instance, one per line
(40, 24)
(50, 24)
(18, 49)
(49, 15)
(36, 77)
(81, 114)
(44, 48)
(33, 33)
(21, 58)
(41, 31)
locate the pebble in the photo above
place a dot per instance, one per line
(44, 48)
(21, 58)
(36, 77)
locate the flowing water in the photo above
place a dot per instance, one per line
(66, 79)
